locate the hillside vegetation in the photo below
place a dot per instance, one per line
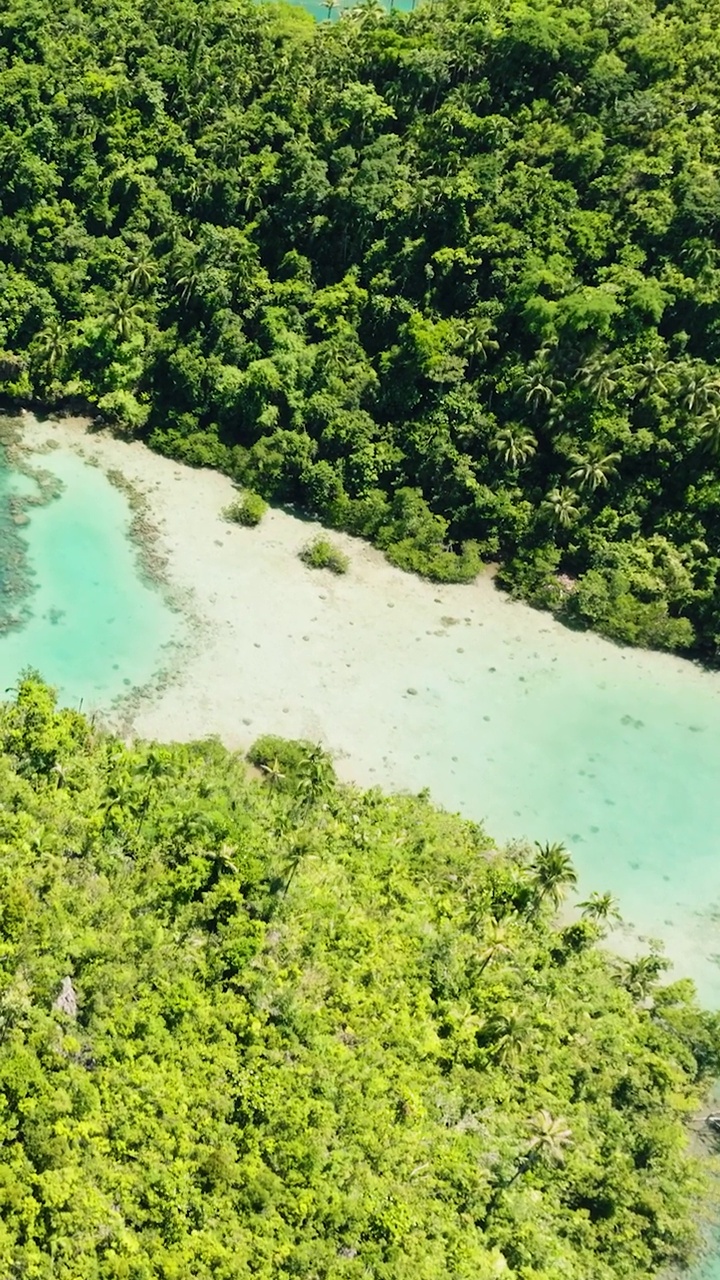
(448, 279)
(278, 1027)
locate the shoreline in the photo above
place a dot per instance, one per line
(486, 702)
(207, 568)
(280, 648)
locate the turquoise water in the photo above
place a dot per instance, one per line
(323, 12)
(92, 626)
(619, 759)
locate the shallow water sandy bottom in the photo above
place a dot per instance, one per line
(505, 715)
(94, 628)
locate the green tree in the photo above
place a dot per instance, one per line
(594, 469)
(552, 873)
(602, 908)
(561, 505)
(515, 446)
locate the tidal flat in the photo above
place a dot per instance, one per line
(506, 716)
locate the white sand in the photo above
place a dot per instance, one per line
(502, 712)
(302, 652)
(283, 648)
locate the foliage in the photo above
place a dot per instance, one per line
(321, 553)
(247, 510)
(282, 1027)
(467, 254)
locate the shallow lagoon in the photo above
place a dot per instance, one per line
(506, 716)
(93, 626)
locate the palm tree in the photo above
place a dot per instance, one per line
(52, 345)
(113, 803)
(315, 776)
(550, 1136)
(594, 469)
(476, 338)
(123, 314)
(599, 376)
(553, 873)
(515, 445)
(562, 506)
(496, 943)
(709, 427)
(464, 1024)
(540, 387)
(698, 390)
(150, 770)
(565, 91)
(639, 977)
(273, 772)
(142, 274)
(601, 908)
(186, 274)
(651, 374)
(510, 1034)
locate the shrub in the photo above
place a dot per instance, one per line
(287, 761)
(247, 510)
(439, 564)
(320, 553)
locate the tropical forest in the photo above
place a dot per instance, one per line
(447, 279)
(255, 1023)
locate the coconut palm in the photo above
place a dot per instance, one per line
(601, 908)
(515, 445)
(142, 274)
(552, 873)
(496, 942)
(550, 1137)
(273, 772)
(476, 339)
(464, 1025)
(699, 389)
(113, 803)
(510, 1034)
(52, 345)
(709, 428)
(594, 469)
(155, 766)
(562, 506)
(124, 315)
(539, 386)
(565, 91)
(315, 776)
(599, 375)
(651, 376)
(639, 977)
(700, 255)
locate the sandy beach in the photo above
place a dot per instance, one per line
(504, 714)
(280, 648)
(283, 648)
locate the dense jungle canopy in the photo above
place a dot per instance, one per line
(273, 1026)
(448, 279)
